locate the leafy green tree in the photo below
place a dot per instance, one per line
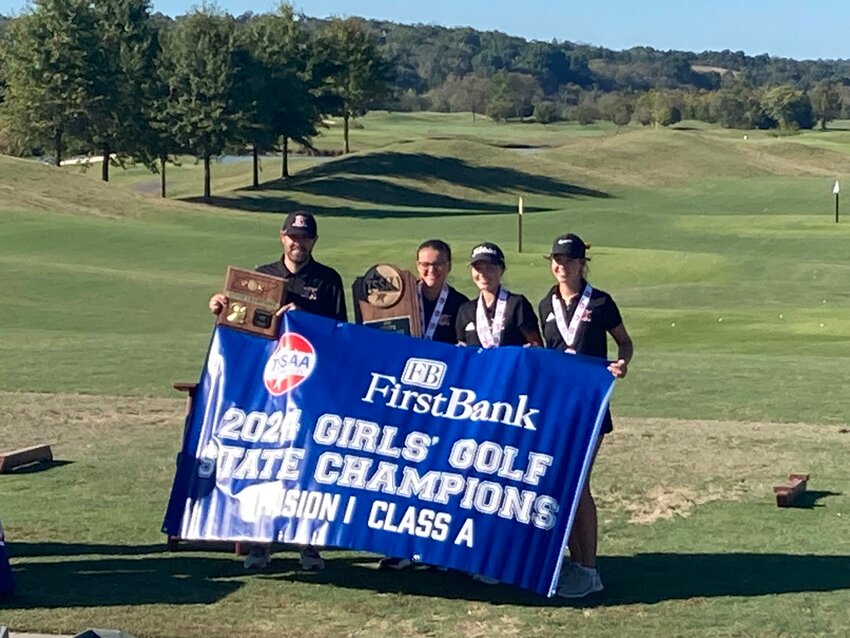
(361, 74)
(512, 95)
(459, 95)
(826, 102)
(546, 111)
(198, 66)
(791, 108)
(51, 57)
(659, 108)
(616, 107)
(125, 83)
(289, 108)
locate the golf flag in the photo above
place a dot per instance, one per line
(340, 435)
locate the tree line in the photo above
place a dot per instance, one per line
(78, 75)
(111, 76)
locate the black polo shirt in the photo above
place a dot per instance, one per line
(519, 316)
(315, 288)
(601, 316)
(445, 331)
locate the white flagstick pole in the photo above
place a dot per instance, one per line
(836, 189)
(519, 224)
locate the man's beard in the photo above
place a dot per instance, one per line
(298, 256)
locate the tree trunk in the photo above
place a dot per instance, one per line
(823, 124)
(284, 165)
(346, 149)
(162, 176)
(206, 177)
(57, 148)
(256, 160)
(104, 170)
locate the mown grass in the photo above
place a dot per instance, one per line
(722, 253)
(692, 544)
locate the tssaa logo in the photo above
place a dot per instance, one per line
(290, 364)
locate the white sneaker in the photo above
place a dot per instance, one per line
(397, 564)
(258, 557)
(579, 581)
(486, 580)
(311, 559)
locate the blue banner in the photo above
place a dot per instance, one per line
(340, 435)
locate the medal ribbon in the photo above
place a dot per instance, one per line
(438, 311)
(491, 337)
(568, 333)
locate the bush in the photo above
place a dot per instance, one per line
(546, 112)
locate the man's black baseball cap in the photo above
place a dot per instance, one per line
(569, 245)
(300, 223)
(489, 252)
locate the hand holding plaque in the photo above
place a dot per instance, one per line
(253, 299)
(386, 298)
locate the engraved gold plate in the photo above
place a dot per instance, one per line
(252, 301)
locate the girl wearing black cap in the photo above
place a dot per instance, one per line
(496, 317)
(577, 319)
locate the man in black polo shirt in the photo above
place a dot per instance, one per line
(312, 287)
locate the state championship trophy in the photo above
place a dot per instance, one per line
(253, 300)
(387, 298)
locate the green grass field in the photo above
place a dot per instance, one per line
(721, 252)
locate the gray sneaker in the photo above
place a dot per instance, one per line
(258, 557)
(311, 559)
(579, 581)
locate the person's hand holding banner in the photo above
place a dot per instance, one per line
(340, 435)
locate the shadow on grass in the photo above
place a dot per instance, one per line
(110, 575)
(127, 575)
(810, 499)
(640, 579)
(362, 179)
(452, 170)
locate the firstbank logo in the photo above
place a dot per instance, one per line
(425, 373)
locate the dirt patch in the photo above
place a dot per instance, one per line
(648, 469)
(75, 420)
(674, 466)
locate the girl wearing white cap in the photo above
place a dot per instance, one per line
(496, 317)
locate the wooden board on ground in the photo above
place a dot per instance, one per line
(25, 456)
(787, 494)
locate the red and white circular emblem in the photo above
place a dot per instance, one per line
(290, 364)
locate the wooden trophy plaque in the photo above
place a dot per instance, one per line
(253, 298)
(386, 298)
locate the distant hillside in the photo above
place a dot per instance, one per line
(426, 55)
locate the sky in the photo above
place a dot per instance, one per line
(797, 29)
